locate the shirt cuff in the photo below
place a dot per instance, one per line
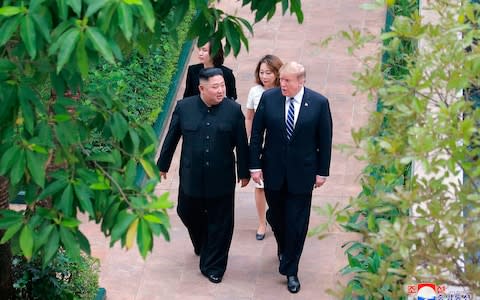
(254, 170)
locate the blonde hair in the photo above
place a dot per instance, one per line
(293, 67)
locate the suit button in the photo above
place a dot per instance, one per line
(207, 137)
(207, 164)
(208, 124)
(206, 150)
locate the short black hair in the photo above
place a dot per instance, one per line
(206, 73)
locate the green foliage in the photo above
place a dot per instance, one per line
(46, 132)
(63, 278)
(417, 214)
(142, 81)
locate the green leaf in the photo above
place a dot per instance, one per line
(130, 172)
(53, 188)
(82, 56)
(133, 2)
(41, 237)
(135, 140)
(35, 5)
(69, 41)
(119, 126)
(148, 14)
(296, 7)
(8, 28)
(153, 219)
(84, 197)
(29, 35)
(66, 201)
(6, 65)
(246, 24)
(125, 21)
(83, 242)
(18, 168)
(10, 232)
(76, 6)
(122, 222)
(70, 222)
(149, 149)
(9, 11)
(110, 215)
(94, 6)
(232, 36)
(36, 167)
(160, 202)
(144, 238)
(100, 186)
(43, 26)
(9, 218)
(102, 157)
(100, 43)
(131, 233)
(8, 159)
(27, 111)
(26, 241)
(51, 246)
(69, 242)
(149, 169)
(62, 9)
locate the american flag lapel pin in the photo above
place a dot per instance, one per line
(306, 104)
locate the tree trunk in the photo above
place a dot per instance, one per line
(6, 286)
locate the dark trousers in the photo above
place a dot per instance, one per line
(289, 215)
(209, 222)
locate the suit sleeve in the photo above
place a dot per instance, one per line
(241, 147)
(324, 138)
(189, 89)
(256, 137)
(231, 85)
(170, 143)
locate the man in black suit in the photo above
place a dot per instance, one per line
(290, 150)
(212, 127)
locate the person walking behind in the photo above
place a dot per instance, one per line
(209, 60)
(212, 128)
(296, 124)
(266, 77)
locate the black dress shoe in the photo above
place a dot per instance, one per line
(259, 236)
(293, 284)
(213, 278)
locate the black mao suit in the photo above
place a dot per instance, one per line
(192, 82)
(210, 135)
(290, 166)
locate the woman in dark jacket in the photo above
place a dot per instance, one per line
(206, 61)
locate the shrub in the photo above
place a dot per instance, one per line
(63, 278)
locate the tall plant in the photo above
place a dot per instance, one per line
(60, 41)
(420, 225)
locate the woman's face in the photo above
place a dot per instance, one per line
(266, 75)
(204, 54)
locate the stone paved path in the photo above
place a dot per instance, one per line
(171, 271)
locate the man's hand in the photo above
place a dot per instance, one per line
(163, 175)
(257, 176)
(319, 181)
(244, 181)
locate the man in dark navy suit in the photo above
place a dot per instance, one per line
(212, 128)
(290, 151)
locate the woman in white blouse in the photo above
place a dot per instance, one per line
(266, 77)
